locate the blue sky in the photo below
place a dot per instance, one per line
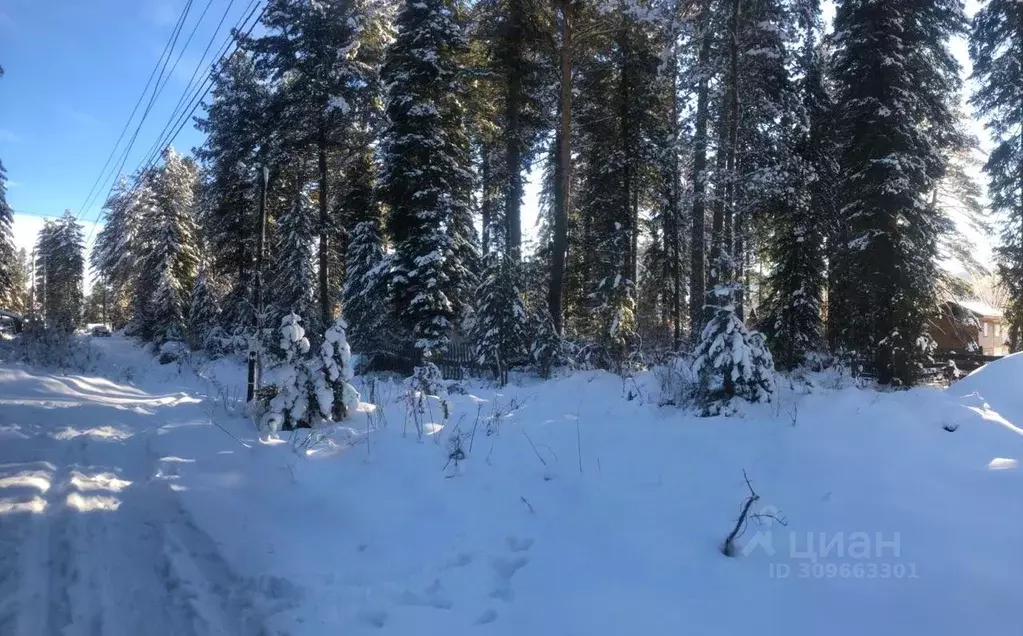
(74, 70)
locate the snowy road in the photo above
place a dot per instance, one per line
(93, 540)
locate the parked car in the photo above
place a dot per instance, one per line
(100, 331)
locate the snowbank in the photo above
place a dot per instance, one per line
(578, 510)
(998, 386)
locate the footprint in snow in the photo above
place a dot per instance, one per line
(504, 570)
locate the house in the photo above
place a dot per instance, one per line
(970, 326)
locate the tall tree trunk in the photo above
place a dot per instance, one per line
(325, 308)
(624, 113)
(487, 204)
(717, 230)
(697, 280)
(734, 220)
(513, 139)
(673, 237)
(562, 197)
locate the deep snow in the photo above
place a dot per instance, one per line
(140, 504)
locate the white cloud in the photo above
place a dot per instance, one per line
(8, 136)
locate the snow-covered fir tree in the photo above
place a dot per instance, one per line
(500, 322)
(326, 81)
(614, 300)
(792, 315)
(336, 398)
(896, 127)
(292, 280)
(204, 330)
(514, 34)
(996, 48)
(60, 267)
(235, 129)
(547, 347)
(730, 361)
(117, 254)
(288, 388)
(8, 258)
(426, 179)
(367, 305)
(170, 259)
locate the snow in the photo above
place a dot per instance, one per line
(576, 506)
(980, 308)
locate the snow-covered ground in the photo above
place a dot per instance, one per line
(138, 503)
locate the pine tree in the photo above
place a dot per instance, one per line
(22, 274)
(615, 304)
(515, 33)
(499, 330)
(996, 48)
(8, 257)
(895, 126)
(367, 303)
(426, 180)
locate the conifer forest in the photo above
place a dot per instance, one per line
(735, 181)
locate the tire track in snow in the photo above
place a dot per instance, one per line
(94, 543)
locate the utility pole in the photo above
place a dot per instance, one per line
(257, 313)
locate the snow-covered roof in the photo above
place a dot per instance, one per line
(980, 308)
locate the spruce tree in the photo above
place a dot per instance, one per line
(204, 312)
(367, 307)
(8, 257)
(170, 260)
(730, 361)
(425, 179)
(234, 124)
(60, 265)
(292, 280)
(117, 254)
(336, 398)
(792, 314)
(895, 126)
(996, 48)
(313, 51)
(499, 330)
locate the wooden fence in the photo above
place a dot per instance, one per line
(454, 363)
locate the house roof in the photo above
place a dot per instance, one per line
(980, 308)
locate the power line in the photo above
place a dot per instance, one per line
(195, 71)
(188, 95)
(127, 124)
(200, 93)
(152, 98)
